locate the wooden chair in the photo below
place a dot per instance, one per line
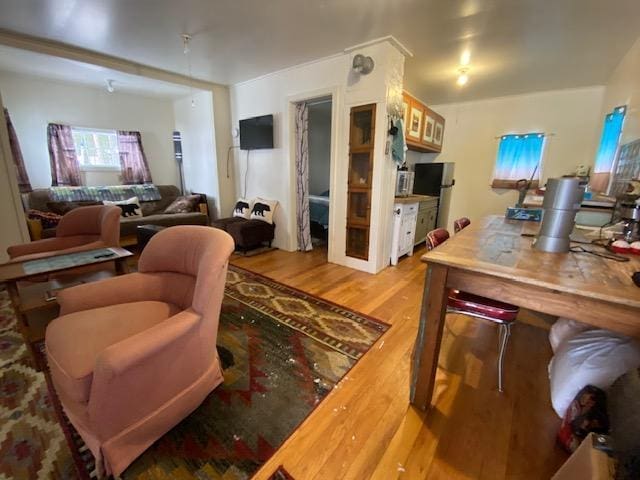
(461, 223)
(464, 303)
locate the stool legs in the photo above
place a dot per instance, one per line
(505, 332)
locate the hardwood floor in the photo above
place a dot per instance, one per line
(366, 429)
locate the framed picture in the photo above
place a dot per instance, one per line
(405, 113)
(437, 134)
(415, 123)
(429, 127)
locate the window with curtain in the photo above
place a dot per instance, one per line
(606, 155)
(96, 148)
(609, 141)
(519, 157)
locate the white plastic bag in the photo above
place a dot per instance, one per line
(564, 329)
(593, 357)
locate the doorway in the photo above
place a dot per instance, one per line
(313, 173)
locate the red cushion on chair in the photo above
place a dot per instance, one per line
(436, 237)
(484, 307)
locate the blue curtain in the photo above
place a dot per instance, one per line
(609, 140)
(518, 156)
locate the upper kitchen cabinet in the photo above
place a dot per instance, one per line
(424, 128)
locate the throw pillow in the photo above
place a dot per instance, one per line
(242, 208)
(47, 219)
(129, 207)
(61, 208)
(186, 204)
(263, 209)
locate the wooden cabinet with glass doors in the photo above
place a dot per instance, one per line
(361, 140)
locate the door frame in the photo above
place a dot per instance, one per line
(336, 101)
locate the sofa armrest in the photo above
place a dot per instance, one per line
(137, 376)
(35, 228)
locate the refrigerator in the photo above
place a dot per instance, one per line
(436, 180)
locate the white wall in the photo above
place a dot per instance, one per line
(33, 103)
(319, 147)
(623, 88)
(271, 172)
(223, 143)
(195, 124)
(573, 116)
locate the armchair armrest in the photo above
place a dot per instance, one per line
(135, 377)
(133, 287)
(39, 246)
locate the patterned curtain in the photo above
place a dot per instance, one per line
(65, 168)
(302, 177)
(133, 161)
(21, 171)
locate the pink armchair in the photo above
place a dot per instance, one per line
(131, 356)
(83, 228)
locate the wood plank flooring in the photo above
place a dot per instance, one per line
(366, 428)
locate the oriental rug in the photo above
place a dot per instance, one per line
(282, 352)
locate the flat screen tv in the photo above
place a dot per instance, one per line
(256, 133)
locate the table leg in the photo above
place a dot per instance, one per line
(427, 347)
(122, 267)
(23, 322)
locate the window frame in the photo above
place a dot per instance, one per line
(512, 184)
(614, 158)
(102, 167)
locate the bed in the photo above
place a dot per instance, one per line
(319, 215)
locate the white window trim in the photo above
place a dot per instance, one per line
(98, 168)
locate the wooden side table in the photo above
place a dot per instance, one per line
(38, 296)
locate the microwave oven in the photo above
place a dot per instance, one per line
(404, 183)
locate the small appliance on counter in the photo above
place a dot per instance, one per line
(628, 212)
(404, 183)
(562, 200)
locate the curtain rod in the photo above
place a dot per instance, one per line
(507, 134)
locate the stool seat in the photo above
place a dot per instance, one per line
(483, 307)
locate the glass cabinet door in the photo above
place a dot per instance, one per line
(362, 127)
(361, 142)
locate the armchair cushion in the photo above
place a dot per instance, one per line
(75, 341)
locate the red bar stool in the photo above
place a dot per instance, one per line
(504, 314)
(461, 223)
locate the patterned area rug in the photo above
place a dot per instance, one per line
(282, 353)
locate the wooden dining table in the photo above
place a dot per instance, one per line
(493, 257)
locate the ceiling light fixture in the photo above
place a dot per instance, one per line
(186, 41)
(463, 76)
(110, 87)
(465, 58)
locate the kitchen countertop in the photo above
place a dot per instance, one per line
(414, 199)
(598, 201)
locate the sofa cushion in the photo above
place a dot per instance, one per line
(75, 341)
(128, 225)
(62, 208)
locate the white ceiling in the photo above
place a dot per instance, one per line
(516, 46)
(61, 69)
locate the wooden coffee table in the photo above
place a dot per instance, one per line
(39, 296)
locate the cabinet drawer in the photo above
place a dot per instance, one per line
(410, 209)
(428, 204)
